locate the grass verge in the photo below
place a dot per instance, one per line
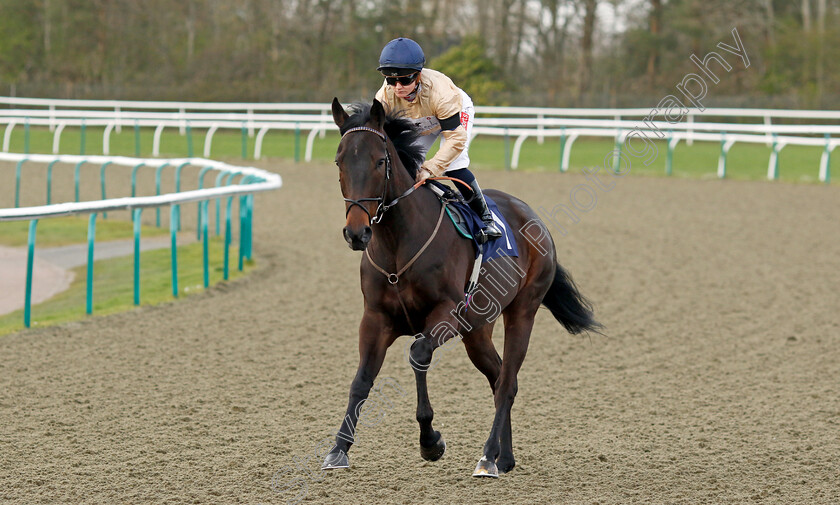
(59, 231)
(113, 284)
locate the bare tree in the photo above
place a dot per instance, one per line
(590, 6)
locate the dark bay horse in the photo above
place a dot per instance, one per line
(414, 272)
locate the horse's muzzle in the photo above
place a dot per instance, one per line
(358, 239)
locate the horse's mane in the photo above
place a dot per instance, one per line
(398, 128)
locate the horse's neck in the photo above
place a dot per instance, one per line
(406, 225)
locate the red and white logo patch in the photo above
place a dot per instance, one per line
(465, 118)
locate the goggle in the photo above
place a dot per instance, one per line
(405, 80)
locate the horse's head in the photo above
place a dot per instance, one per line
(364, 168)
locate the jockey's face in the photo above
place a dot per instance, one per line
(403, 91)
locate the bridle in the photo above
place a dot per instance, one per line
(381, 208)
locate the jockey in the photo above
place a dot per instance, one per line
(437, 107)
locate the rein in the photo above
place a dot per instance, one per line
(394, 278)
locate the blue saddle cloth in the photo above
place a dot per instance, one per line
(502, 246)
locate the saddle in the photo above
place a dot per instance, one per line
(448, 198)
(468, 224)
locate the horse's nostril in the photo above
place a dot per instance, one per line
(346, 234)
(366, 234)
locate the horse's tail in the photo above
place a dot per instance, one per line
(569, 306)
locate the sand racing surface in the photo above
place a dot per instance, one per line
(718, 382)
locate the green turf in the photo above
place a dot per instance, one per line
(745, 161)
(113, 284)
(58, 231)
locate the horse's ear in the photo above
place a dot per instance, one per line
(377, 114)
(338, 112)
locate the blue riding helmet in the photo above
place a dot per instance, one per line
(399, 55)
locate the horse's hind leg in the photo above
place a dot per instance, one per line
(482, 353)
(518, 325)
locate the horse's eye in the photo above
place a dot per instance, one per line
(380, 163)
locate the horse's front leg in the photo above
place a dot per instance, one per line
(441, 325)
(376, 334)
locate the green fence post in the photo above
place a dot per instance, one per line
(562, 148)
(157, 191)
(89, 287)
(102, 182)
(137, 213)
(189, 141)
(134, 178)
(242, 232)
(244, 142)
(174, 220)
(26, 137)
(17, 181)
(49, 180)
(82, 144)
(178, 189)
(219, 182)
(201, 174)
(30, 259)
(227, 237)
(297, 142)
(204, 251)
(136, 138)
(249, 226)
(77, 177)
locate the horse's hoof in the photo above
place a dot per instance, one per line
(434, 452)
(486, 468)
(336, 460)
(505, 465)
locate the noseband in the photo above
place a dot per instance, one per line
(381, 208)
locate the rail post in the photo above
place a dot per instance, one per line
(204, 248)
(189, 141)
(134, 178)
(669, 156)
(174, 224)
(30, 259)
(244, 142)
(136, 138)
(102, 184)
(137, 213)
(297, 142)
(89, 287)
(26, 136)
(77, 175)
(82, 141)
(17, 181)
(562, 148)
(825, 161)
(49, 180)
(157, 189)
(201, 175)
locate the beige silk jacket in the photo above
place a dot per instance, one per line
(437, 99)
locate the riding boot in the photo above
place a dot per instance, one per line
(491, 230)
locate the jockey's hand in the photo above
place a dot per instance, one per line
(423, 174)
